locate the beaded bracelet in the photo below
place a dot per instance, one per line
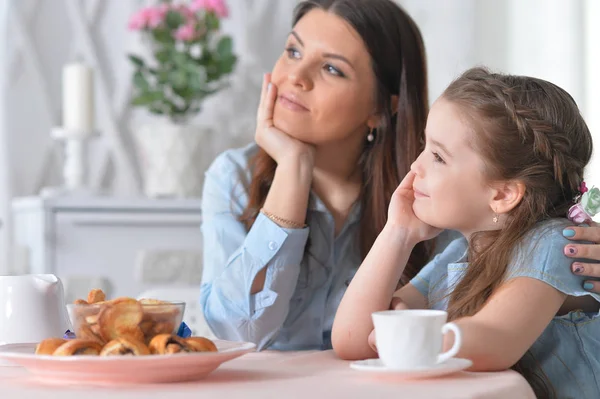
(283, 222)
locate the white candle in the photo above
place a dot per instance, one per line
(78, 98)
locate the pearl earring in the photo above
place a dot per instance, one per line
(371, 136)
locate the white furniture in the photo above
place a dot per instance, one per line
(124, 245)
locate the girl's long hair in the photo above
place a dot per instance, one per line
(526, 130)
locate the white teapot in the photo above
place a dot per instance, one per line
(32, 308)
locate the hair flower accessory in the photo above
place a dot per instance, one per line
(587, 206)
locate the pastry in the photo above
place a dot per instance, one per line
(77, 347)
(125, 346)
(201, 344)
(165, 344)
(48, 346)
(96, 295)
(121, 320)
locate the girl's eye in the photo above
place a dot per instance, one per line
(334, 71)
(437, 157)
(292, 52)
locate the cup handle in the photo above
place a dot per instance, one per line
(442, 357)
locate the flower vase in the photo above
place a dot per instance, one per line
(173, 158)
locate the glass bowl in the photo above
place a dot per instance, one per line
(125, 318)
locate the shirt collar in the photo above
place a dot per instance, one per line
(315, 204)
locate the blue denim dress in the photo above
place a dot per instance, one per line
(568, 351)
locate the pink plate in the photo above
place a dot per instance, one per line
(123, 369)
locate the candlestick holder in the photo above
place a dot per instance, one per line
(75, 169)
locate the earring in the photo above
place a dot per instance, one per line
(371, 136)
(495, 219)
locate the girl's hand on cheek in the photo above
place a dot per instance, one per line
(401, 214)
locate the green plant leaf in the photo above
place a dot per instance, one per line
(163, 56)
(163, 36)
(174, 19)
(180, 58)
(178, 79)
(212, 21)
(227, 64)
(139, 80)
(225, 47)
(147, 98)
(162, 76)
(137, 61)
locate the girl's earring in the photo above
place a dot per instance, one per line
(495, 219)
(371, 136)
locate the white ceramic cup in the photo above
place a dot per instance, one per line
(412, 339)
(32, 308)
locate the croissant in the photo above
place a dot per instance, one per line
(48, 346)
(124, 346)
(165, 344)
(78, 347)
(201, 344)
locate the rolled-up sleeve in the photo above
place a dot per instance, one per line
(233, 257)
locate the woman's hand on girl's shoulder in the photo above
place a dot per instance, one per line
(588, 252)
(401, 214)
(279, 145)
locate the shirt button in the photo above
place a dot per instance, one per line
(272, 245)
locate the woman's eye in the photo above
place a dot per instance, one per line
(292, 52)
(333, 70)
(437, 158)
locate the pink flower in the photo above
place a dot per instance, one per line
(148, 17)
(578, 215)
(187, 13)
(583, 188)
(138, 20)
(217, 6)
(186, 32)
(156, 16)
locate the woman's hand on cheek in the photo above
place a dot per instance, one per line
(401, 214)
(586, 254)
(279, 145)
(371, 341)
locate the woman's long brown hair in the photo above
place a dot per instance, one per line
(526, 130)
(398, 60)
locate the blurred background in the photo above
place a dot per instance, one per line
(551, 39)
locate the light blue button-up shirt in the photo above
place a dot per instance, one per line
(568, 351)
(308, 270)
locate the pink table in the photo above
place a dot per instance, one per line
(282, 375)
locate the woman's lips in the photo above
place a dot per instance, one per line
(291, 103)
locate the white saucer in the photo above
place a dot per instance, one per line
(376, 366)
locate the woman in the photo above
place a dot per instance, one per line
(287, 223)
(591, 252)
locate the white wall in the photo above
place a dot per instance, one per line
(552, 39)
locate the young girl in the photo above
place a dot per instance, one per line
(503, 163)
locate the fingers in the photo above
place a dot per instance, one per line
(407, 182)
(263, 95)
(371, 341)
(592, 286)
(583, 251)
(270, 102)
(591, 233)
(586, 269)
